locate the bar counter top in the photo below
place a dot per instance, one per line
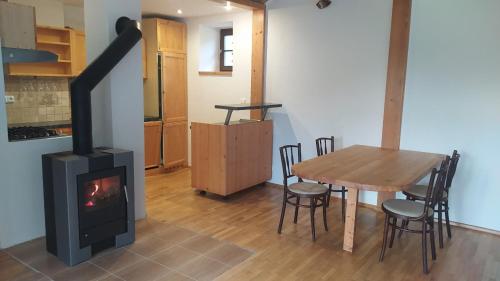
(247, 106)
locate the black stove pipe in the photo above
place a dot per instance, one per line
(129, 33)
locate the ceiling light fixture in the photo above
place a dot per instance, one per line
(228, 6)
(323, 4)
(179, 11)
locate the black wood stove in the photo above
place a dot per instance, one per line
(89, 193)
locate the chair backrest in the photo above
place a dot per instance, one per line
(436, 185)
(451, 170)
(290, 155)
(325, 145)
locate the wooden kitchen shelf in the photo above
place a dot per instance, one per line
(67, 44)
(41, 74)
(53, 43)
(53, 34)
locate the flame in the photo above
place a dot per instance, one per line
(89, 204)
(96, 189)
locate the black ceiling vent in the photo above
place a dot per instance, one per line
(323, 4)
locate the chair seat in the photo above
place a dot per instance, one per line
(307, 188)
(420, 192)
(405, 208)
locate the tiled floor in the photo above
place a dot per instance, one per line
(161, 252)
(188, 246)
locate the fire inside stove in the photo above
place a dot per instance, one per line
(100, 193)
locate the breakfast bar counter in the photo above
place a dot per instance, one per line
(231, 156)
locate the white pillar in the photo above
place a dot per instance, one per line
(118, 101)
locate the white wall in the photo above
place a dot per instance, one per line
(206, 91)
(21, 202)
(328, 68)
(118, 123)
(208, 59)
(452, 99)
(21, 187)
(48, 12)
(73, 17)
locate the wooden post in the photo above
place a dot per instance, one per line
(350, 220)
(258, 49)
(245, 4)
(396, 76)
(258, 45)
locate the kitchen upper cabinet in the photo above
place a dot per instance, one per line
(174, 90)
(175, 140)
(171, 36)
(17, 26)
(67, 44)
(165, 35)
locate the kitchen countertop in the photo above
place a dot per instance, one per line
(48, 124)
(151, 118)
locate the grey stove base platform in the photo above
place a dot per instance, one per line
(60, 170)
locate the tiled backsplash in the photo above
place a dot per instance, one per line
(37, 99)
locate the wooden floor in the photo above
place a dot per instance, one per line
(249, 219)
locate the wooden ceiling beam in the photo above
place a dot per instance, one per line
(245, 4)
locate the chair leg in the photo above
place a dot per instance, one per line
(424, 247)
(329, 195)
(393, 231)
(324, 213)
(447, 218)
(432, 238)
(384, 239)
(404, 225)
(440, 224)
(343, 203)
(313, 209)
(296, 210)
(283, 208)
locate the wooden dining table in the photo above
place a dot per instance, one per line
(361, 167)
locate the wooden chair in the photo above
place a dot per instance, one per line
(325, 146)
(418, 193)
(290, 155)
(408, 210)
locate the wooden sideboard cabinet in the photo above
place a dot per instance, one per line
(175, 142)
(152, 143)
(229, 158)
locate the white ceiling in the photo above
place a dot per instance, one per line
(190, 8)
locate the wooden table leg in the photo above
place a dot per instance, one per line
(350, 221)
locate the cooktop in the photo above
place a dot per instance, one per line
(24, 133)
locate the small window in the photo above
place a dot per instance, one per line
(226, 49)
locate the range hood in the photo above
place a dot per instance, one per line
(16, 55)
(18, 35)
